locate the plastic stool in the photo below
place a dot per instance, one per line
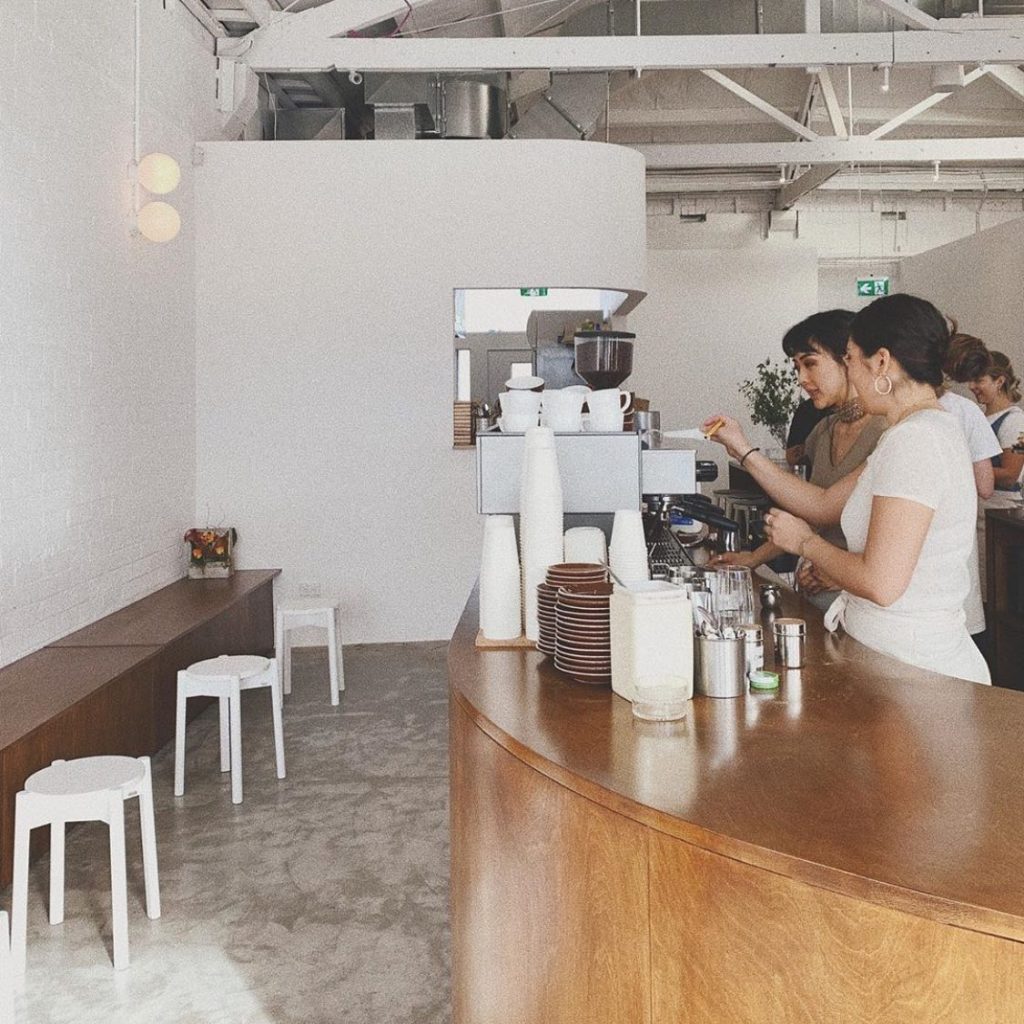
(86, 789)
(295, 614)
(225, 677)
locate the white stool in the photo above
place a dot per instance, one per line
(295, 614)
(225, 677)
(86, 789)
(6, 973)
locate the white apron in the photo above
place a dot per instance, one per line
(924, 639)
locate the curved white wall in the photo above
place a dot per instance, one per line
(324, 346)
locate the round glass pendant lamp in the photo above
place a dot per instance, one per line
(159, 173)
(159, 222)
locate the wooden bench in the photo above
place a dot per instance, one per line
(109, 688)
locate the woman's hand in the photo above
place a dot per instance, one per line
(817, 580)
(786, 531)
(730, 434)
(747, 559)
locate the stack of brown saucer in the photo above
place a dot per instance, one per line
(562, 574)
(463, 416)
(583, 639)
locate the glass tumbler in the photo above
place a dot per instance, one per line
(734, 595)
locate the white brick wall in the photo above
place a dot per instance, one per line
(97, 328)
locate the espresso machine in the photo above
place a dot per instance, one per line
(604, 472)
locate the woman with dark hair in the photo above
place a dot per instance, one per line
(908, 514)
(837, 445)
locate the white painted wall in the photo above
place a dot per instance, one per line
(96, 327)
(324, 346)
(980, 281)
(710, 317)
(837, 285)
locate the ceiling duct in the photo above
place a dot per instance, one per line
(569, 109)
(434, 106)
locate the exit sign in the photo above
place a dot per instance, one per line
(872, 286)
(533, 293)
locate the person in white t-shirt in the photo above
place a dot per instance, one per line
(997, 388)
(967, 358)
(908, 515)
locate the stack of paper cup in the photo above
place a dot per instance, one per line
(628, 551)
(586, 544)
(501, 610)
(540, 518)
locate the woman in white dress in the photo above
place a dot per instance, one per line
(908, 515)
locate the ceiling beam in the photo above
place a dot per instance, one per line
(270, 51)
(906, 13)
(794, 190)
(339, 16)
(827, 150)
(231, 16)
(1003, 118)
(201, 13)
(763, 105)
(260, 11)
(1011, 79)
(835, 111)
(926, 104)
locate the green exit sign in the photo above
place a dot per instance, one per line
(872, 286)
(533, 293)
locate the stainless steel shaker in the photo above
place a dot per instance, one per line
(789, 642)
(753, 642)
(721, 667)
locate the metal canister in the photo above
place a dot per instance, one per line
(721, 665)
(789, 642)
(753, 643)
(771, 597)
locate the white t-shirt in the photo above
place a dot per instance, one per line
(1009, 430)
(923, 459)
(981, 441)
(982, 444)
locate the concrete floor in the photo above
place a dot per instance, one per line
(321, 898)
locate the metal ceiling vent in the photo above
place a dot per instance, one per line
(432, 106)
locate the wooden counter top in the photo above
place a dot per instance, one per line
(862, 776)
(168, 613)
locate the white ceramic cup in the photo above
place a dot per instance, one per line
(520, 403)
(524, 383)
(608, 401)
(563, 409)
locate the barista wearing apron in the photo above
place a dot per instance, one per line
(908, 514)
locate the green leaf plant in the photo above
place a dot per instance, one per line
(772, 396)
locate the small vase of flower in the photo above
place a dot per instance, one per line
(210, 551)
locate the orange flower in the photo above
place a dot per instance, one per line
(218, 551)
(197, 553)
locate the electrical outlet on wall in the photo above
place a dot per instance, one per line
(309, 589)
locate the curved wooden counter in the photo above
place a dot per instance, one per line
(850, 849)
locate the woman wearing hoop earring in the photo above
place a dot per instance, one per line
(908, 515)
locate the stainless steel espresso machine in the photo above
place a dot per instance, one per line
(604, 472)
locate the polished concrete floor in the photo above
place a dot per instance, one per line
(320, 898)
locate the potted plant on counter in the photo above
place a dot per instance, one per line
(772, 396)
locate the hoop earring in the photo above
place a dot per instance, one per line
(888, 381)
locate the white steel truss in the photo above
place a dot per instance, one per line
(275, 50)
